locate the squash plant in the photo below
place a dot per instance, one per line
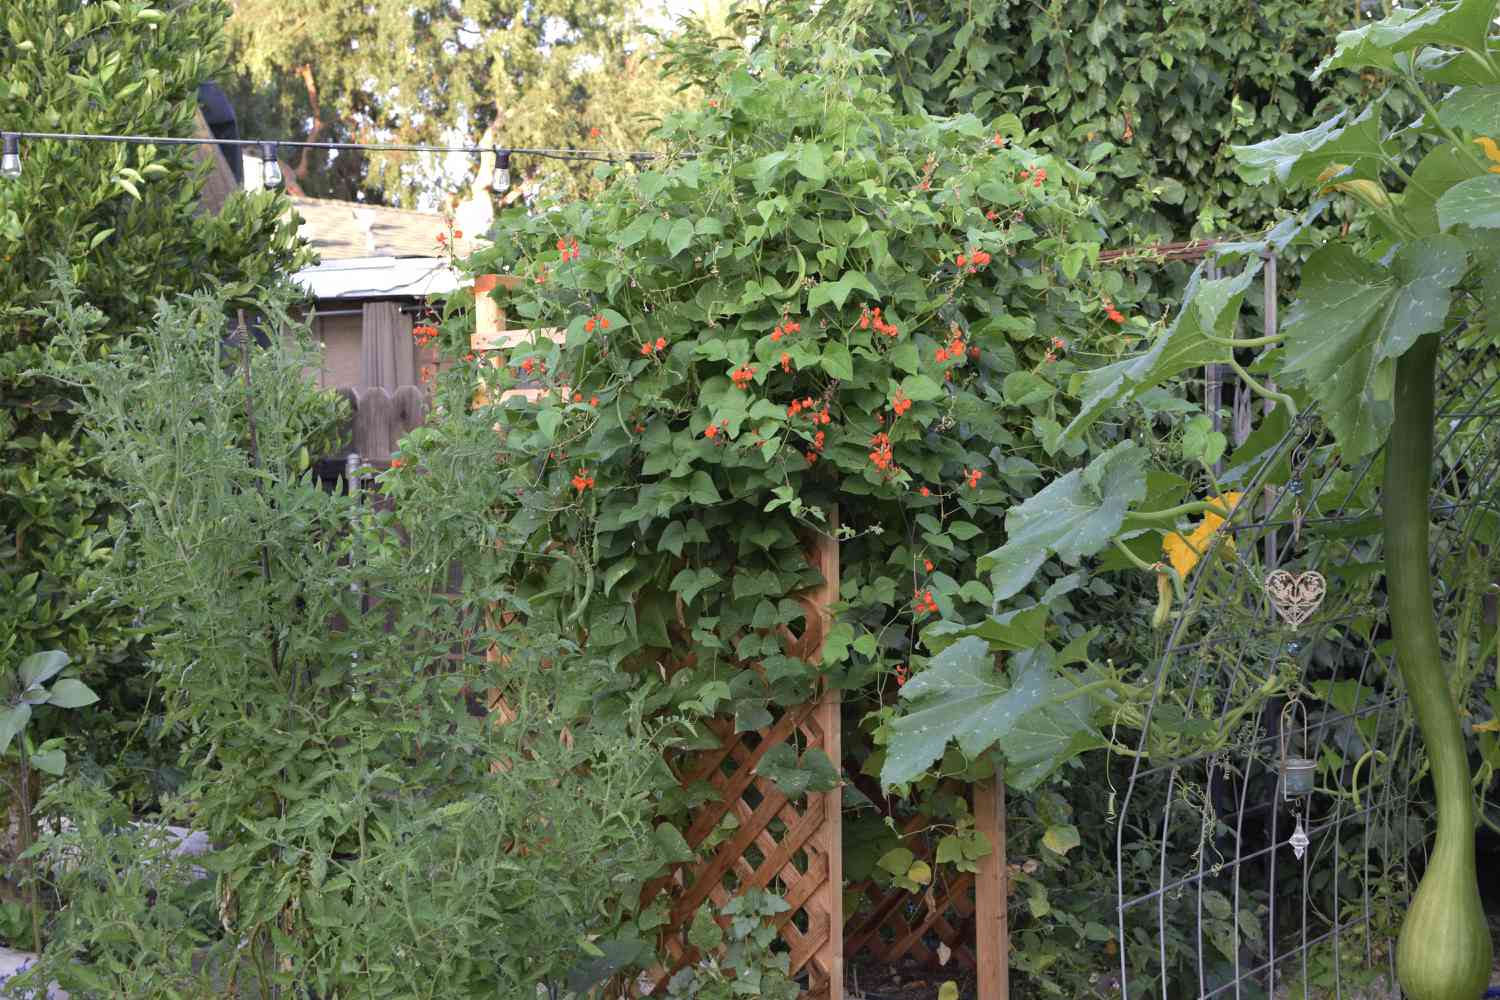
(1360, 347)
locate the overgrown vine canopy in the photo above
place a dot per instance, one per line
(823, 303)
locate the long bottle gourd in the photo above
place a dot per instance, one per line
(1444, 951)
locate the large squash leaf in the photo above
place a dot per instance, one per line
(1028, 715)
(1464, 24)
(1074, 516)
(1474, 202)
(1211, 307)
(1356, 150)
(1353, 318)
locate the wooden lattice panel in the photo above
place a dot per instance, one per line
(891, 924)
(788, 847)
(792, 848)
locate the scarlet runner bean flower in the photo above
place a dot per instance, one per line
(972, 477)
(927, 565)
(923, 601)
(786, 363)
(742, 377)
(900, 673)
(900, 404)
(882, 456)
(785, 327)
(582, 480)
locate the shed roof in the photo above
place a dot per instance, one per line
(346, 230)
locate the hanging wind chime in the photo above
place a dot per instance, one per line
(1296, 597)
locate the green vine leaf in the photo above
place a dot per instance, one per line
(813, 773)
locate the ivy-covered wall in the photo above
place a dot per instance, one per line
(1150, 95)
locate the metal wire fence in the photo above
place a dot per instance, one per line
(1231, 881)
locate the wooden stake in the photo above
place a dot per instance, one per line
(991, 892)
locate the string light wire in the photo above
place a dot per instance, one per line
(502, 152)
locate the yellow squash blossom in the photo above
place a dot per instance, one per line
(1491, 152)
(1185, 552)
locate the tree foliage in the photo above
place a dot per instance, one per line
(578, 73)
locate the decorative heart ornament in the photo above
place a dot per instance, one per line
(1296, 596)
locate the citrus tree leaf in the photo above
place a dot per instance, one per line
(39, 668)
(12, 721)
(70, 693)
(51, 761)
(1073, 516)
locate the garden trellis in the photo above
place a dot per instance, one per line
(1230, 882)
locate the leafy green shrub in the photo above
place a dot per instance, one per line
(749, 967)
(125, 218)
(374, 835)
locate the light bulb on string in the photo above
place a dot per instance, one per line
(10, 158)
(502, 171)
(270, 167)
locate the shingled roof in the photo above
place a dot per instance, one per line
(344, 230)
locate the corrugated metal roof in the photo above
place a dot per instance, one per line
(344, 230)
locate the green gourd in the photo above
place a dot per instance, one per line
(1444, 951)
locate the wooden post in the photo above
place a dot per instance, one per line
(991, 889)
(830, 836)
